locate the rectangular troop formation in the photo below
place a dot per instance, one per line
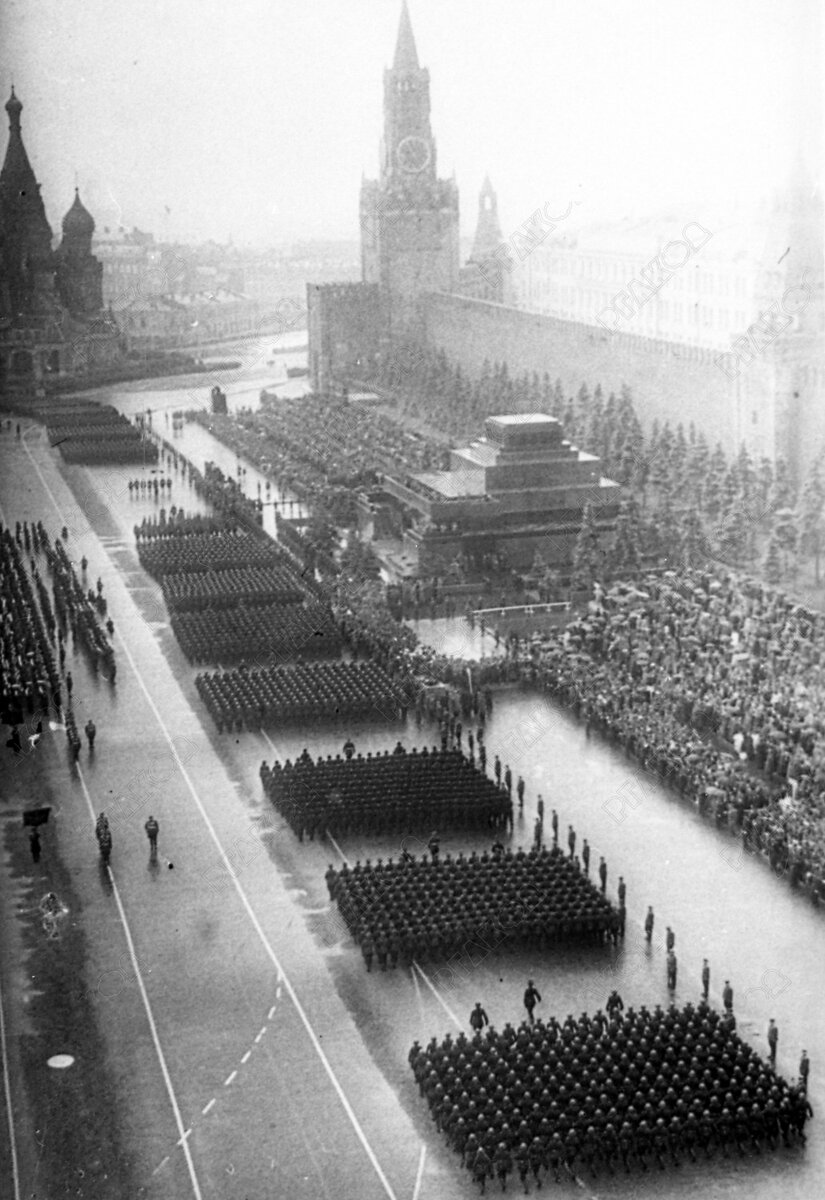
(427, 910)
(91, 434)
(233, 594)
(636, 1088)
(385, 793)
(321, 691)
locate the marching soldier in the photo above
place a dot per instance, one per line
(671, 970)
(773, 1038)
(478, 1018)
(152, 829)
(531, 996)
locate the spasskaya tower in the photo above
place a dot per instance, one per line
(409, 217)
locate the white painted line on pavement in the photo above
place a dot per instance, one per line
(229, 1079)
(277, 993)
(261, 1034)
(293, 995)
(15, 1170)
(147, 1006)
(420, 1173)
(337, 848)
(245, 1057)
(271, 1013)
(313, 1037)
(438, 996)
(161, 1165)
(208, 1106)
(182, 1140)
(269, 742)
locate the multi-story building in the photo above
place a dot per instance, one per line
(705, 301)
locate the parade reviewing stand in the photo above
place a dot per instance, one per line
(423, 909)
(629, 1089)
(385, 793)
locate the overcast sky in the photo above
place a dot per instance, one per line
(256, 118)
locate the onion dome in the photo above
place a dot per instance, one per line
(78, 221)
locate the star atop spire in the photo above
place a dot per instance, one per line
(406, 55)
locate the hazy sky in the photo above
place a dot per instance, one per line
(256, 118)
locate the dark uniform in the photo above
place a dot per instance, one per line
(478, 1018)
(773, 1038)
(152, 829)
(532, 996)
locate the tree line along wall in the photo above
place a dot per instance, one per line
(668, 382)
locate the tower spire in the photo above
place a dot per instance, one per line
(18, 187)
(406, 55)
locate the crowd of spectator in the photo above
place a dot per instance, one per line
(716, 683)
(385, 793)
(627, 1089)
(427, 908)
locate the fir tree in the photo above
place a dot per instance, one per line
(626, 557)
(693, 542)
(773, 562)
(786, 533)
(587, 555)
(810, 514)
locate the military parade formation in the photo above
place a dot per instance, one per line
(616, 1089)
(620, 1089)
(95, 435)
(385, 793)
(428, 908)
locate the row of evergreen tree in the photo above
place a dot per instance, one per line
(684, 500)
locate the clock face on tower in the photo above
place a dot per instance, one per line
(413, 154)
